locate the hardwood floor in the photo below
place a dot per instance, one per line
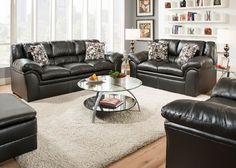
(150, 156)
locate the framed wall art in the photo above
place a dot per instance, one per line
(146, 27)
(145, 7)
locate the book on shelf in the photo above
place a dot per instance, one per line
(110, 102)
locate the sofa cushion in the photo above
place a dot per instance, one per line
(39, 54)
(173, 45)
(79, 68)
(95, 50)
(63, 48)
(200, 44)
(170, 68)
(158, 51)
(52, 72)
(187, 52)
(150, 65)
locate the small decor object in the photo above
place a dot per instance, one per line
(132, 34)
(226, 37)
(110, 102)
(183, 3)
(191, 30)
(208, 31)
(187, 52)
(95, 50)
(208, 15)
(175, 17)
(158, 51)
(145, 7)
(183, 17)
(217, 2)
(125, 68)
(167, 4)
(223, 63)
(116, 74)
(39, 54)
(146, 29)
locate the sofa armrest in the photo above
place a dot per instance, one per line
(225, 87)
(198, 62)
(139, 57)
(205, 116)
(113, 57)
(24, 65)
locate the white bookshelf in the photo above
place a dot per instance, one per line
(195, 18)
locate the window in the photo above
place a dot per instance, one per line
(44, 20)
(23, 21)
(78, 19)
(62, 19)
(5, 30)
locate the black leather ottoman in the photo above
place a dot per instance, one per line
(18, 127)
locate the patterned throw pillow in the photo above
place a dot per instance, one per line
(158, 51)
(187, 52)
(39, 54)
(95, 50)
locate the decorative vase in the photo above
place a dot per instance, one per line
(125, 68)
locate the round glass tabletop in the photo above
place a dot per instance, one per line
(109, 84)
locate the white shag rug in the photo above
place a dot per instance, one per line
(68, 139)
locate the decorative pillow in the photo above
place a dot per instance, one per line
(187, 52)
(95, 50)
(158, 51)
(39, 54)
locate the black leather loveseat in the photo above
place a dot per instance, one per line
(67, 66)
(202, 134)
(193, 78)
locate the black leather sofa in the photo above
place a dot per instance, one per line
(202, 134)
(194, 78)
(67, 66)
(18, 127)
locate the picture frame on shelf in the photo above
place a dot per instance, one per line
(217, 2)
(146, 27)
(145, 7)
(167, 5)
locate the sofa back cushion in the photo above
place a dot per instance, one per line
(200, 44)
(59, 52)
(172, 47)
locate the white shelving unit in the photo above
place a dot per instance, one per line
(194, 18)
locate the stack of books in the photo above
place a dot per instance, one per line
(110, 103)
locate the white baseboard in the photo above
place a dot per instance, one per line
(5, 81)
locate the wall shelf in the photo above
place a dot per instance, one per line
(193, 35)
(196, 19)
(196, 8)
(195, 22)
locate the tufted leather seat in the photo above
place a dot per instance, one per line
(51, 72)
(100, 64)
(78, 68)
(170, 68)
(67, 66)
(193, 78)
(150, 65)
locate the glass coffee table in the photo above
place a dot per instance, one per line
(110, 87)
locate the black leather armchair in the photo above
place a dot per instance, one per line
(67, 66)
(194, 78)
(202, 133)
